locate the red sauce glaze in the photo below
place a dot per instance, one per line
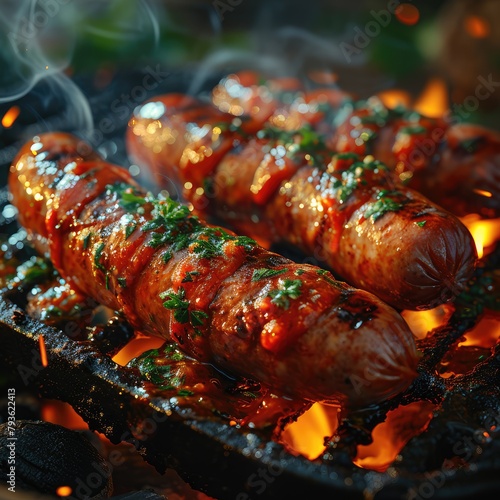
(222, 298)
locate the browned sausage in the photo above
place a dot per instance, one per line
(351, 214)
(222, 298)
(456, 166)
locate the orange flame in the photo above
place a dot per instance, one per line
(433, 100)
(136, 347)
(57, 412)
(389, 437)
(11, 116)
(485, 232)
(307, 435)
(486, 333)
(422, 322)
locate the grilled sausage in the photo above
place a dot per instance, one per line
(352, 214)
(457, 166)
(222, 298)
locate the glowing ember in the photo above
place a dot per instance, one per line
(307, 435)
(477, 27)
(59, 413)
(136, 347)
(433, 100)
(64, 491)
(389, 437)
(43, 351)
(481, 192)
(11, 116)
(407, 13)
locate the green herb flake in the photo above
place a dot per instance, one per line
(86, 240)
(299, 272)
(413, 130)
(98, 255)
(197, 317)
(289, 289)
(421, 223)
(244, 241)
(185, 393)
(326, 275)
(385, 203)
(264, 273)
(166, 256)
(122, 282)
(299, 143)
(206, 249)
(177, 304)
(129, 230)
(130, 199)
(188, 278)
(353, 176)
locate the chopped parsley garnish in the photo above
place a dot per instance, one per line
(197, 317)
(188, 278)
(243, 241)
(207, 249)
(159, 367)
(299, 272)
(288, 289)
(167, 256)
(122, 282)
(421, 223)
(184, 393)
(299, 143)
(129, 198)
(86, 240)
(129, 230)
(328, 277)
(353, 176)
(98, 255)
(264, 273)
(173, 224)
(385, 203)
(176, 302)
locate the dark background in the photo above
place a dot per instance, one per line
(79, 65)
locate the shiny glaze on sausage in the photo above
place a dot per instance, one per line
(222, 298)
(412, 254)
